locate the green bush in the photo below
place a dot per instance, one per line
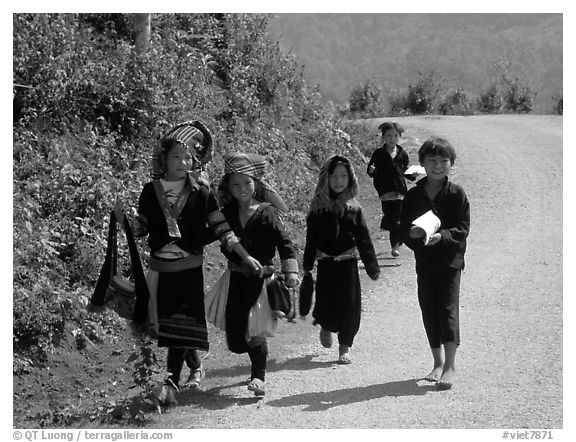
(457, 102)
(559, 104)
(366, 99)
(506, 91)
(88, 110)
(422, 94)
(490, 101)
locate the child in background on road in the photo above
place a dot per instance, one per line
(180, 215)
(439, 263)
(336, 235)
(386, 167)
(253, 210)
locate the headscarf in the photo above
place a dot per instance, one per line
(254, 166)
(324, 199)
(192, 134)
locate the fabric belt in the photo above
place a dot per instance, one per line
(162, 265)
(348, 254)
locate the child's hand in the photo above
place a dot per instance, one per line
(417, 233)
(292, 280)
(254, 265)
(434, 239)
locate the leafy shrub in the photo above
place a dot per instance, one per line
(366, 99)
(422, 94)
(506, 91)
(518, 97)
(490, 101)
(457, 102)
(558, 107)
(87, 111)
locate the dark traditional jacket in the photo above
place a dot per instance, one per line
(263, 234)
(389, 173)
(333, 235)
(451, 206)
(199, 222)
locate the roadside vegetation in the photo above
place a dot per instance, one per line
(504, 92)
(88, 107)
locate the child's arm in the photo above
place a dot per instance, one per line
(365, 247)
(371, 168)
(286, 250)
(138, 224)
(218, 224)
(310, 247)
(405, 161)
(452, 237)
(407, 215)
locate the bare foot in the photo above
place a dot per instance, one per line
(434, 375)
(447, 379)
(344, 355)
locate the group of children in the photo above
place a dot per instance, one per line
(180, 214)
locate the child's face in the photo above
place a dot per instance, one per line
(179, 162)
(437, 166)
(391, 137)
(241, 187)
(339, 179)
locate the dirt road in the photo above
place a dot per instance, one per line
(510, 361)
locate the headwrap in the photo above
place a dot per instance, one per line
(254, 166)
(324, 199)
(192, 134)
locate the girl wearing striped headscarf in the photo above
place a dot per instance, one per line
(180, 215)
(253, 210)
(336, 236)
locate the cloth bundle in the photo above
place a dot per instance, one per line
(215, 301)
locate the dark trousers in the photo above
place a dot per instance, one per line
(242, 295)
(176, 358)
(391, 220)
(258, 353)
(438, 296)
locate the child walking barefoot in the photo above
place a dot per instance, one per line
(252, 208)
(336, 236)
(440, 261)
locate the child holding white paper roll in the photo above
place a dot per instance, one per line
(439, 252)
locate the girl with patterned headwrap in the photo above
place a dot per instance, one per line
(180, 215)
(253, 210)
(336, 236)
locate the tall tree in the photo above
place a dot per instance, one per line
(142, 32)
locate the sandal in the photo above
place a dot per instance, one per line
(326, 338)
(195, 379)
(257, 387)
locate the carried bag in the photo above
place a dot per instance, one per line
(128, 299)
(280, 296)
(305, 295)
(121, 297)
(261, 320)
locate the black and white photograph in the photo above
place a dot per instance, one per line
(290, 218)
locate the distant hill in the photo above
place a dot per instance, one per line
(340, 51)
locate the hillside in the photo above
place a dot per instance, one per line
(340, 51)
